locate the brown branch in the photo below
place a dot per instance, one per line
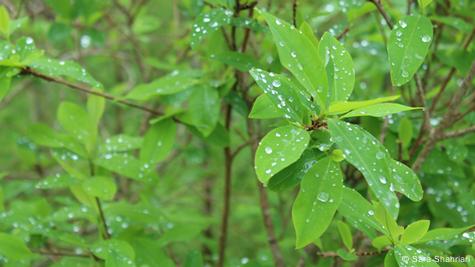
(343, 33)
(449, 76)
(294, 12)
(227, 193)
(458, 133)
(102, 217)
(383, 13)
(328, 254)
(61, 253)
(88, 90)
(269, 225)
(447, 120)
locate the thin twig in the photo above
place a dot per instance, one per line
(383, 13)
(294, 12)
(88, 90)
(458, 133)
(446, 121)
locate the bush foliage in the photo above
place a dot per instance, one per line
(237, 133)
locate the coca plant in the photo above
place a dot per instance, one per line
(218, 133)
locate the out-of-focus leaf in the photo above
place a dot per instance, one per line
(209, 22)
(203, 109)
(240, 61)
(13, 247)
(4, 21)
(101, 187)
(173, 83)
(158, 141)
(64, 69)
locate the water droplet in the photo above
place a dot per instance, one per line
(268, 150)
(383, 180)
(276, 83)
(380, 155)
(403, 24)
(323, 196)
(370, 212)
(426, 38)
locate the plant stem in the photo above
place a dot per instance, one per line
(227, 193)
(88, 90)
(383, 13)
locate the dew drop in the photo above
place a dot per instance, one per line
(323, 196)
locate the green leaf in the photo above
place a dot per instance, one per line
(343, 107)
(404, 180)
(345, 234)
(170, 84)
(337, 155)
(390, 260)
(5, 85)
(385, 218)
(378, 110)
(300, 56)
(240, 61)
(56, 181)
(263, 108)
(203, 109)
(307, 30)
(116, 253)
(158, 142)
(443, 234)
(319, 197)
(13, 247)
(120, 143)
(64, 69)
(455, 22)
(369, 156)
(278, 149)
(125, 165)
(359, 212)
(339, 68)
(346, 255)
(424, 3)
(405, 132)
(149, 253)
(101, 187)
(283, 93)
(194, 259)
(408, 256)
(4, 21)
(381, 242)
(408, 45)
(209, 22)
(415, 231)
(293, 174)
(75, 120)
